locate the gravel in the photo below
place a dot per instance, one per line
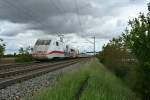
(30, 87)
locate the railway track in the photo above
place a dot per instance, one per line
(19, 74)
(8, 66)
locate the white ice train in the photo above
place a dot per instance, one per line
(52, 48)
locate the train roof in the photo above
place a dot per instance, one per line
(48, 39)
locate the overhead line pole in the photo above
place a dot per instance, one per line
(94, 45)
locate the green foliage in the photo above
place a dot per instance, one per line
(138, 40)
(24, 55)
(101, 85)
(2, 48)
(117, 57)
(135, 41)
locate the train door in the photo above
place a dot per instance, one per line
(59, 49)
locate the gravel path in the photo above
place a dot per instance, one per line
(30, 87)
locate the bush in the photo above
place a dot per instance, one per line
(143, 81)
(24, 55)
(117, 58)
(24, 58)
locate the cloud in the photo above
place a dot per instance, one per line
(54, 16)
(39, 18)
(12, 29)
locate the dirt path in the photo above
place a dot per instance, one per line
(81, 89)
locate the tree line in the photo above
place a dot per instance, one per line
(23, 55)
(2, 47)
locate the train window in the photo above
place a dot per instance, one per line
(72, 50)
(47, 42)
(57, 43)
(37, 42)
(43, 42)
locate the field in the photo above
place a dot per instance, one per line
(8, 60)
(91, 82)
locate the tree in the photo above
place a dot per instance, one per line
(2, 48)
(116, 57)
(138, 40)
(24, 55)
(26, 50)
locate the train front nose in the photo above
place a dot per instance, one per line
(40, 55)
(40, 49)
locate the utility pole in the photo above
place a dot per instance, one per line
(94, 45)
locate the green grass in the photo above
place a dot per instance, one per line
(102, 85)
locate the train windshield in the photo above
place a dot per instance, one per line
(43, 42)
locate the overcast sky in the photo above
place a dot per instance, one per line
(23, 21)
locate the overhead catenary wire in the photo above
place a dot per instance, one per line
(60, 10)
(77, 14)
(79, 20)
(60, 4)
(80, 24)
(30, 14)
(24, 13)
(33, 13)
(16, 7)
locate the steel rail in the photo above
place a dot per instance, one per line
(25, 76)
(29, 68)
(9, 66)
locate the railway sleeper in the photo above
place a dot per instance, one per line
(20, 78)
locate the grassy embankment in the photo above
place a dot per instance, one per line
(101, 85)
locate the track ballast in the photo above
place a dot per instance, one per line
(22, 72)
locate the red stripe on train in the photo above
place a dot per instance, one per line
(50, 52)
(58, 52)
